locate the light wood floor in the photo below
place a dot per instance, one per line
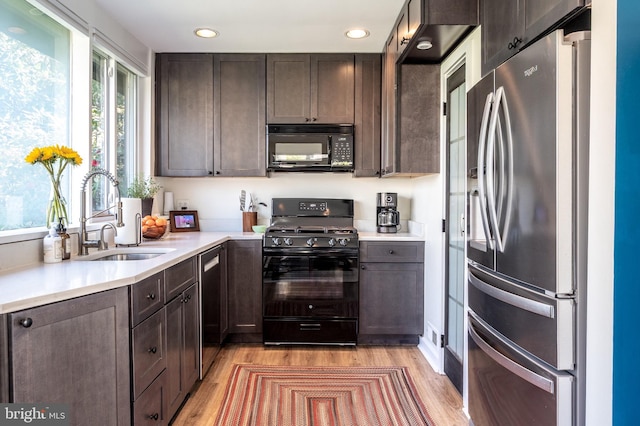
(443, 402)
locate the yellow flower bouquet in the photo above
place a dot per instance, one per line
(55, 159)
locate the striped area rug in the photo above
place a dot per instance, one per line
(321, 396)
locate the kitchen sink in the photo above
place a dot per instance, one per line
(125, 254)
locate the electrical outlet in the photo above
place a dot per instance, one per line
(182, 204)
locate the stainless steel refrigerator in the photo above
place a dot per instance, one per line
(527, 159)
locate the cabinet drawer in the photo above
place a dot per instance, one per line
(149, 351)
(179, 277)
(147, 297)
(371, 251)
(150, 408)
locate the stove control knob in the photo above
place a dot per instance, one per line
(344, 241)
(331, 242)
(275, 241)
(311, 241)
(288, 241)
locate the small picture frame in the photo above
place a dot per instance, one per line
(184, 220)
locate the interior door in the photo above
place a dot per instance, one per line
(455, 232)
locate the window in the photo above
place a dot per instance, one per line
(41, 59)
(113, 126)
(34, 108)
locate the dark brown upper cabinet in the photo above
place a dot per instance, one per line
(184, 111)
(367, 115)
(239, 106)
(510, 25)
(310, 88)
(210, 114)
(410, 117)
(441, 22)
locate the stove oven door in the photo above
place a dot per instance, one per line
(310, 298)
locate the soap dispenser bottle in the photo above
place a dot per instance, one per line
(52, 245)
(65, 239)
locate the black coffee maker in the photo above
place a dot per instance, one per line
(387, 217)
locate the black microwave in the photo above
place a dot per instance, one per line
(310, 147)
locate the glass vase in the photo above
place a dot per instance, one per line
(57, 206)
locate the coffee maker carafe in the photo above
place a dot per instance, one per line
(387, 217)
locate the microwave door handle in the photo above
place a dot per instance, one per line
(482, 198)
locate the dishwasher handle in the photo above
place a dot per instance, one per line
(212, 263)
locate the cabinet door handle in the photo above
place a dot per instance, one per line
(26, 322)
(153, 350)
(151, 296)
(153, 416)
(404, 41)
(391, 252)
(514, 44)
(363, 267)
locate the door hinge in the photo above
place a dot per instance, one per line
(442, 340)
(444, 108)
(444, 225)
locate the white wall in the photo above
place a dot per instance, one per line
(601, 213)
(217, 199)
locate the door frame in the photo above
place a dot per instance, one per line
(455, 76)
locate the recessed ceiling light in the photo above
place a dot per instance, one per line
(357, 33)
(206, 32)
(424, 45)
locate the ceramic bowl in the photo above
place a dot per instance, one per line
(259, 229)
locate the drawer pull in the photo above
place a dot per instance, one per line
(153, 350)
(390, 251)
(26, 322)
(154, 416)
(151, 296)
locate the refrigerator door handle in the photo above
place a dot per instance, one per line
(532, 306)
(506, 177)
(508, 150)
(522, 372)
(491, 161)
(481, 169)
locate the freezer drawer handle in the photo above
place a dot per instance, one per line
(525, 374)
(210, 264)
(533, 306)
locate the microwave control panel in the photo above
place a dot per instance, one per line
(342, 152)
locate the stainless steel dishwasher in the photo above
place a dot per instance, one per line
(213, 305)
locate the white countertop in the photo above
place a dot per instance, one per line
(41, 283)
(398, 236)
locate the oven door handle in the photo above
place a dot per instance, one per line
(520, 371)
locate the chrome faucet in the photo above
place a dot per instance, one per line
(102, 243)
(85, 242)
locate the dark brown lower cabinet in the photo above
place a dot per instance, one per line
(75, 352)
(391, 292)
(244, 274)
(150, 409)
(183, 360)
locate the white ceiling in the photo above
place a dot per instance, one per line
(256, 25)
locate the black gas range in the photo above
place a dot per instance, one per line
(311, 224)
(310, 273)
